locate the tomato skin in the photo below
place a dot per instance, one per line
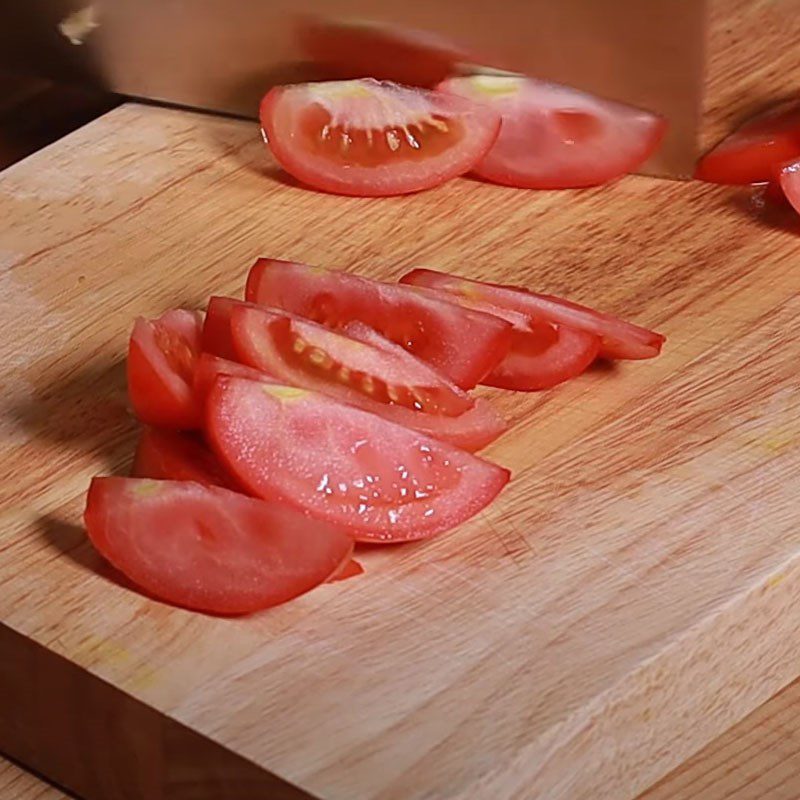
(207, 548)
(754, 152)
(450, 136)
(381, 481)
(210, 367)
(462, 344)
(556, 137)
(618, 339)
(161, 357)
(169, 455)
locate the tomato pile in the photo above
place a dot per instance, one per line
(323, 410)
(764, 151)
(371, 138)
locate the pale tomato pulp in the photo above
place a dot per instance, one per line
(371, 138)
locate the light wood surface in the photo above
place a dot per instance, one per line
(18, 784)
(758, 759)
(630, 596)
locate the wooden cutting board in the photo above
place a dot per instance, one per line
(630, 595)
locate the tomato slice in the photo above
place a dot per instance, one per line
(555, 137)
(461, 343)
(207, 548)
(355, 48)
(754, 152)
(169, 455)
(161, 359)
(389, 382)
(542, 354)
(618, 339)
(210, 367)
(790, 183)
(382, 481)
(372, 138)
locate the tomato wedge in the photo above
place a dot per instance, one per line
(542, 354)
(349, 569)
(169, 455)
(555, 137)
(754, 152)
(461, 343)
(355, 48)
(161, 359)
(381, 481)
(371, 138)
(207, 548)
(385, 380)
(618, 339)
(210, 367)
(790, 183)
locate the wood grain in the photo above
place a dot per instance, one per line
(629, 597)
(758, 759)
(18, 784)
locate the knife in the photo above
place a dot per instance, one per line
(223, 55)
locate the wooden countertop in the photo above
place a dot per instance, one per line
(629, 597)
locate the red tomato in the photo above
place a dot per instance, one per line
(541, 355)
(554, 137)
(207, 548)
(161, 359)
(370, 139)
(389, 382)
(461, 343)
(349, 569)
(355, 48)
(168, 455)
(382, 481)
(618, 339)
(210, 367)
(790, 183)
(754, 152)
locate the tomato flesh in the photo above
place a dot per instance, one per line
(161, 357)
(207, 548)
(371, 138)
(555, 137)
(386, 380)
(618, 338)
(382, 481)
(754, 152)
(169, 455)
(461, 343)
(210, 367)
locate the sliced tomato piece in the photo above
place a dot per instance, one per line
(161, 360)
(555, 137)
(217, 327)
(389, 382)
(382, 481)
(349, 569)
(372, 138)
(210, 367)
(207, 548)
(618, 339)
(754, 152)
(790, 183)
(542, 354)
(169, 455)
(461, 343)
(355, 48)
